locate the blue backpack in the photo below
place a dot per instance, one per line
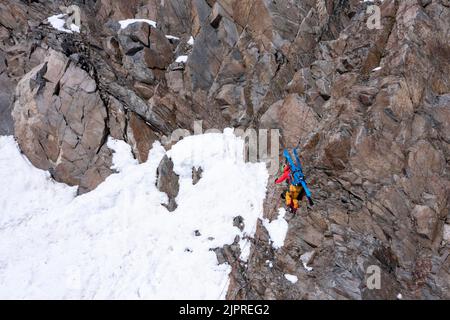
(297, 176)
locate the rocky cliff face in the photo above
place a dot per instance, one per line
(369, 109)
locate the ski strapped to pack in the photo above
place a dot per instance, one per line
(297, 176)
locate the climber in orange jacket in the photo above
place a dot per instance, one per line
(294, 193)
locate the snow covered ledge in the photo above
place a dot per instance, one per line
(118, 241)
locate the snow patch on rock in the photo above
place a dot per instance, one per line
(291, 278)
(125, 23)
(447, 233)
(182, 59)
(57, 22)
(170, 37)
(277, 229)
(122, 156)
(306, 258)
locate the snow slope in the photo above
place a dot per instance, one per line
(118, 241)
(25, 191)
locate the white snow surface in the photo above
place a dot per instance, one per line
(125, 23)
(170, 37)
(57, 21)
(447, 232)
(182, 59)
(191, 41)
(305, 258)
(118, 241)
(291, 278)
(277, 229)
(75, 28)
(122, 155)
(25, 190)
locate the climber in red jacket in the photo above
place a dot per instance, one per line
(293, 194)
(285, 175)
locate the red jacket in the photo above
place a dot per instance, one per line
(286, 175)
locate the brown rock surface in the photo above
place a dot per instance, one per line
(167, 182)
(60, 122)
